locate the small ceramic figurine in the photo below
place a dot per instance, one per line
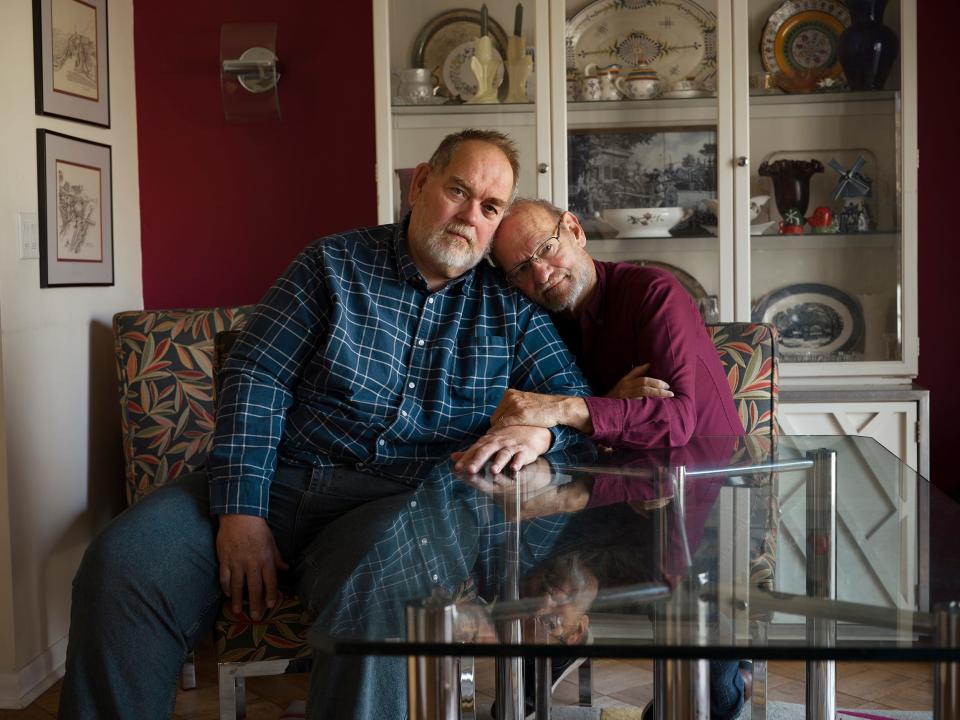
(519, 67)
(822, 220)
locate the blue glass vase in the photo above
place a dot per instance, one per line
(868, 47)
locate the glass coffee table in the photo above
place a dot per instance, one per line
(798, 548)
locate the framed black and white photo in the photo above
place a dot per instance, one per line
(76, 211)
(661, 167)
(70, 58)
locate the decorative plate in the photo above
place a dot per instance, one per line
(446, 31)
(689, 282)
(458, 77)
(678, 38)
(802, 36)
(812, 319)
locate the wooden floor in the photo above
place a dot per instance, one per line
(903, 686)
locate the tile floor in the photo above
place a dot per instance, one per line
(903, 686)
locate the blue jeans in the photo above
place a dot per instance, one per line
(147, 591)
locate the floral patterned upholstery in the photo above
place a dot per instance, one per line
(165, 371)
(165, 367)
(748, 352)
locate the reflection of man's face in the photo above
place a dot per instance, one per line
(568, 590)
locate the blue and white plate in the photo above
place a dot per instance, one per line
(812, 319)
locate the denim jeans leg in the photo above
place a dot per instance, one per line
(145, 592)
(346, 519)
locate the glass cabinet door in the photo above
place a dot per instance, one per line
(831, 214)
(445, 76)
(637, 130)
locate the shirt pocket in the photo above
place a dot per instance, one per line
(481, 369)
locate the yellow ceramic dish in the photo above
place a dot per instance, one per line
(807, 43)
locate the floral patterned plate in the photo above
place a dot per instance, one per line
(678, 38)
(457, 75)
(802, 36)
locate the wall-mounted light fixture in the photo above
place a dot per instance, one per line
(249, 72)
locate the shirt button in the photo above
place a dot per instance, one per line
(423, 541)
(382, 441)
(420, 343)
(413, 503)
(412, 385)
(430, 300)
(435, 577)
(403, 413)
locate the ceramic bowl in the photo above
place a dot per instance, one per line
(643, 222)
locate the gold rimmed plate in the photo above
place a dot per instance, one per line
(802, 37)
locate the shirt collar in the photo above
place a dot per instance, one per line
(407, 268)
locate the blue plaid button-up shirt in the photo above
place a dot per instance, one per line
(351, 360)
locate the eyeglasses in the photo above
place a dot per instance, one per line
(545, 251)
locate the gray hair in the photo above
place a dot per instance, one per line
(448, 146)
(522, 203)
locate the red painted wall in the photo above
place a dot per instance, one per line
(224, 207)
(939, 254)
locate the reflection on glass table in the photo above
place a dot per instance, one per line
(803, 548)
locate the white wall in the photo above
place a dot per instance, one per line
(60, 461)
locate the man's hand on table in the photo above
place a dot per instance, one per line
(248, 558)
(505, 447)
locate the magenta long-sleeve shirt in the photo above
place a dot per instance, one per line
(643, 315)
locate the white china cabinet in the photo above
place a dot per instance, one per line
(773, 169)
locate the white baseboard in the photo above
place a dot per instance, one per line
(19, 689)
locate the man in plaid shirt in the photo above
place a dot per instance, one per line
(378, 346)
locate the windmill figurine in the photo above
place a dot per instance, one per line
(853, 188)
(851, 183)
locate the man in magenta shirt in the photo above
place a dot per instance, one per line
(625, 324)
(640, 342)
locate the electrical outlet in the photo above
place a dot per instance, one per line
(28, 235)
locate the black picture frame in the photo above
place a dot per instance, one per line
(75, 200)
(71, 60)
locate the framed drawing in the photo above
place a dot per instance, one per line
(76, 211)
(662, 167)
(70, 59)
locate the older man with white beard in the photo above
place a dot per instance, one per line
(376, 346)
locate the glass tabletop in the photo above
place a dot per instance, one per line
(796, 547)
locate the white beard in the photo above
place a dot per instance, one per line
(453, 255)
(566, 297)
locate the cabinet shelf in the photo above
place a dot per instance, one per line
(461, 109)
(827, 241)
(778, 98)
